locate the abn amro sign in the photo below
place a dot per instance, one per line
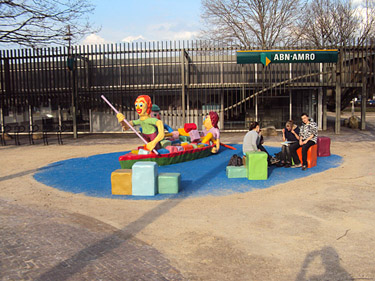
(287, 56)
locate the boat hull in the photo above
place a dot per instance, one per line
(128, 160)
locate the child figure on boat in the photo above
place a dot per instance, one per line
(211, 132)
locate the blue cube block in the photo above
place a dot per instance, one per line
(176, 142)
(144, 178)
(169, 183)
(163, 151)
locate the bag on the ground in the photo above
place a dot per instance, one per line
(235, 160)
(279, 155)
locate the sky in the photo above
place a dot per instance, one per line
(144, 20)
(147, 20)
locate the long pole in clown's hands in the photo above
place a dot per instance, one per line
(127, 123)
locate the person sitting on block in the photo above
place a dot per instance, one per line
(308, 137)
(290, 136)
(211, 132)
(253, 141)
(152, 128)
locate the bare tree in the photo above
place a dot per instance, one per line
(35, 23)
(250, 23)
(334, 22)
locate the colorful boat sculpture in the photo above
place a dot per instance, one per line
(127, 160)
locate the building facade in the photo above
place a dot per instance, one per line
(61, 88)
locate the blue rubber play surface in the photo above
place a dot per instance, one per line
(207, 176)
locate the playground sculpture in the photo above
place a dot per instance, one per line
(152, 128)
(172, 147)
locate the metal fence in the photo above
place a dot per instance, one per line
(186, 79)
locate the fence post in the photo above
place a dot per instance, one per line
(183, 86)
(338, 95)
(30, 118)
(2, 118)
(74, 113)
(320, 99)
(324, 116)
(363, 95)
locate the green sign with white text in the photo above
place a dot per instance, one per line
(287, 56)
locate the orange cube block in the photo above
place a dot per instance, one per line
(312, 155)
(121, 181)
(188, 147)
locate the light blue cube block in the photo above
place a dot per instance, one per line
(143, 152)
(145, 178)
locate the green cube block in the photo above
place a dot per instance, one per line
(184, 138)
(169, 183)
(165, 143)
(235, 172)
(194, 145)
(256, 165)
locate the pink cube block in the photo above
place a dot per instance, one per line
(324, 144)
(175, 135)
(194, 135)
(171, 148)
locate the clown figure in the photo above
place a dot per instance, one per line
(152, 128)
(211, 132)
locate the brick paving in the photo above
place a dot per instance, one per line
(40, 245)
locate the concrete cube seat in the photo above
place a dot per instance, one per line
(121, 182)
(256, 165)
(169, 183)
(312, 155)
(235, 172)
(144, 178)
(324, 146)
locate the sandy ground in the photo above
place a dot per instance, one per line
(317, 228)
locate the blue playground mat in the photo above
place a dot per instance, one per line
(207, 176)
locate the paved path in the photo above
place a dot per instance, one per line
(40, 245)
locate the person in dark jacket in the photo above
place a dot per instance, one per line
(290, 136)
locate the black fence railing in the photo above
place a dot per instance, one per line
(186, 80)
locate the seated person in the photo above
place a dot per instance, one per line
(253, 141)
(290, 136)
(308, 137)
(152, 128)
(211, 132)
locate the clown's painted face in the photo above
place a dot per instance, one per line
(141, 106)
